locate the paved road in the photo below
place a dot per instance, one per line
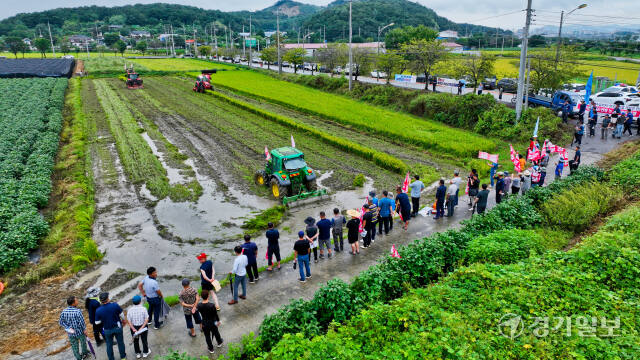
(280, 287)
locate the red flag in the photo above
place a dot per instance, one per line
(267, 154)
(293, 142)
(266, 255)
(486, 156)
(405, 183)
(394, 252)
(514, 159)
(533, 154)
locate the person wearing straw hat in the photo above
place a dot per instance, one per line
(92, 303)
(526, 182)
(353, 231)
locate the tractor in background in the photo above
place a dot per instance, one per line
(289, 177)
(134, 81)
(203, 81)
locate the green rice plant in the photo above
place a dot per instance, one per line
(575, 209)
(505, 246)
(179, 64)
(359, 180)
(259, 222)
(385, 160)
(396, 126)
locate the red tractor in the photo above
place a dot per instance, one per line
(203, 81)
(134, 81)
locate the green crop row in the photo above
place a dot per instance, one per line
(384, 160)
(423, 262)
(30, 123)
(400, 127)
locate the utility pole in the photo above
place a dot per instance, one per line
(250, 43)
(51, 39)
(351, 46)
(244, 43)
(523, 60)
(173, 45)
(278, 39)
(215, 38)
(526, 90)
(195, 42)
(559, 39)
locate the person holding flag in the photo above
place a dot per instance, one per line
(403, 207)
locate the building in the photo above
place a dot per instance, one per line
(79, 40)
(313, 47)
(269, 34)
(453, 47)
(448, 35)
(140, 34)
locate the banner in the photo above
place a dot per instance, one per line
(394, 252)
(405, 78)
(486, 156)
(608, 109)
(448, 82)
(405, 183)
(514, 159)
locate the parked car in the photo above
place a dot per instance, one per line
(68, 57)
(574, 87)
(286, 64)
(338, 70)
(323, 69)
(378, 74)
(612, 98)
(621, 88)
(509, 85)
(490, 83)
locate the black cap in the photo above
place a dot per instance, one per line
(104, 296)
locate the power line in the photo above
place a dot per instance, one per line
(495, 16)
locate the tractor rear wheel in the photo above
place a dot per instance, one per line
(277, 190)
(260, 178)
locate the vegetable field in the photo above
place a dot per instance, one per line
(395, 126)
(30, 123)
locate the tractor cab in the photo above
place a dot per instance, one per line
(289, 176)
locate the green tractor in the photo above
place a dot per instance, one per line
(289, 178)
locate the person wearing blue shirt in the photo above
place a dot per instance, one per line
(593, 120)
(441, 193)
(150, 289)
(494, 169)
(404, 206)
(324, 234)
(617, 113)
(627, 123)
(582, 108)
(273, 245)
(386, 206)
(373, 198)
(566, 108)
(109, 314)
(416, 190)
(337, 224)
(251, 251)
(499, 188)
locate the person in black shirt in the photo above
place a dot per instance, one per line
(367, 225)
(353, 228)
(474, 185)
(312, 236)
(210, 320)
(440, 196)
(301, 250)
(273, 246)
(481, 199)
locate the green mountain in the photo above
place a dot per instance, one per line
(368, 15)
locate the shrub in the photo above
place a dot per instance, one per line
(627, 175)
(500, 121)
(359, 180)
(575, 209)
(333, 301)
(515, 212)
(297, 317)
(504, 247)
(583, 175)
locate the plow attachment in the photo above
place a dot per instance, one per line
(305, 198)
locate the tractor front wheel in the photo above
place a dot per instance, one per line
(260, 178)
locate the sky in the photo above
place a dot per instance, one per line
(481, 12)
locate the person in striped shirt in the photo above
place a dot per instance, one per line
(72, 320)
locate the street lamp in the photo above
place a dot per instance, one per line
(380, 30)
(560, 31)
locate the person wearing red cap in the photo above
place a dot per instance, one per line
(207, 274)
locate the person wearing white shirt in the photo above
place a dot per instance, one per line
(138, 318)
(240, 272)
(456, 180)
(416, 190)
